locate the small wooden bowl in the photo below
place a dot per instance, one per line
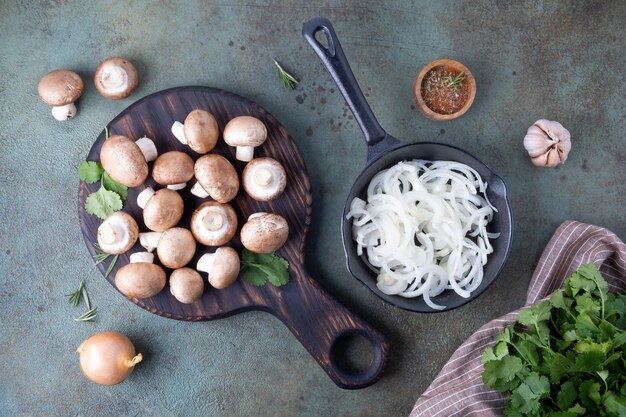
(449, 65)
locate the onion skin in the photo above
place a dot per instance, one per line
(108, 358)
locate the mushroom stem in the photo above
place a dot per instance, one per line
(197, 190)
(64, 112)
(111, 232)
(144, 197)
(213, 220)
(177, 187)
(205, 263)
(263, 177)
(244, 153)
(142, 257)
(149, 240)
(148, 149)
(255, 215)
(179, 132)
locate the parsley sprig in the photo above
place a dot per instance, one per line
(258, 268)
(110, 196)
(565, 356)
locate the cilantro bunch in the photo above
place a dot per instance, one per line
(564, 357)
(259, 268)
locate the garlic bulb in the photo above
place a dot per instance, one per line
(548, 143)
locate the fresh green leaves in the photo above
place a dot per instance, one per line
(75, 298)
(111, 195)
(565, 355)
(101, 256)
(258, 268)
(288, 80)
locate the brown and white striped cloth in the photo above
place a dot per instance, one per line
(458, 390)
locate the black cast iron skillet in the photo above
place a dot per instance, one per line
(384, 151)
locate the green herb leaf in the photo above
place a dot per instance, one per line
(615, 404)
(535, 314)
(76, 295)
(90, 171)
(102, 203)
(566, 395)
(258, 268)
(499, 372)
(87, 316)
(111, 185)
(288, 80)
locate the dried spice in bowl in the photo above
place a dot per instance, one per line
(444, 89)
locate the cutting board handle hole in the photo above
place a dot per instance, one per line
(354, 353)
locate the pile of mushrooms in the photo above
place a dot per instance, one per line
(213, 223)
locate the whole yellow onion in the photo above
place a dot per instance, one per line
(108, 358)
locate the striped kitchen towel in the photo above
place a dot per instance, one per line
(458, 390)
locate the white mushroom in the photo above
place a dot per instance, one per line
(60, 89)
(200, 131)
(149, 240)
(222, 266)
(264, 233)
(117, 233)
(264, 179)
(146, 257)
(246, 133)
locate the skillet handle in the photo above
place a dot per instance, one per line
(337, 65)
(320, 322)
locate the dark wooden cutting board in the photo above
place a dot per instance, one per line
(313, 316)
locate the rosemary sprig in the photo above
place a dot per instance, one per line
(101, 256)
(87, 316)
(75, 296)
(454, 81)
(289, 81)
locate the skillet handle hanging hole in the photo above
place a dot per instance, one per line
(356, 356)
(318, 34)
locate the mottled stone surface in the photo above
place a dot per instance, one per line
(557, 60)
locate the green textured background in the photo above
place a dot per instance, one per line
(558, 60)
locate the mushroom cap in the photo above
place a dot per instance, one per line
(176, 247)
(186, 285)
(117, 233)
(213, 215)
(116, 78)
(122, 159)
(172, 167)
(60, 87)
(140, 280)
(201, 131)
(264, 179)
(163, 210)
(245, 131)
(265, 233)
(218, 177)
(225, 268)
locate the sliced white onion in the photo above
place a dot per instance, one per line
(423, 229)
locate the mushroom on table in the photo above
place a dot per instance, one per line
(264, 232)
(116, 78)
(200, 131)
(140, 278)
(222, 267)
(186, 285)
(60, 89)
(126, 161)
(216, 177)
(264, 179)
(213, 223)
(176, 247)
(117, 233)
(245, 133)
(173, 169)
(162, 209)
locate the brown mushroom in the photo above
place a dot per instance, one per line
(246, 133)
(116, 78)
(124, 160)
(162, 209)
(213, 223)
(264, 233)
(173, 169)
(117, 233)
(140, 278)
(264, 179)
(176, 247)
(60, 89)
(186, 285)
(222, 267)
(216, 177)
